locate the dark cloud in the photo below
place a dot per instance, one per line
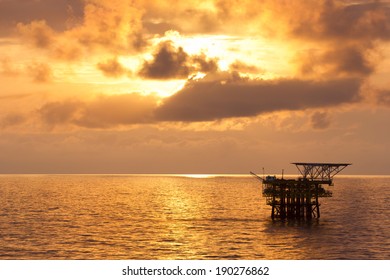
(204, 64)
(170, 62)
(205, 100)
(55, 13)
(320, 120)
(112, 68)
(351, 60)
(212, 100)
(332, 19)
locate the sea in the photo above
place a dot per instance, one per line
(185, 217)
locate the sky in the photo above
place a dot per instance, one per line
(213, 86)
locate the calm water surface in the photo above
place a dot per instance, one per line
(177, 217)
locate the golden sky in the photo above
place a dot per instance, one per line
(223, 86)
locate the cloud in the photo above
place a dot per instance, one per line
(204, 64)
(342, 35)
(338, 38)
(314, 20)
(382, 97)
(60, 112)
(101, 112)
(12, 119)
(7, 68)
(55, 13)
(340, 21)
(320, 120)
(112, 68)
(14, 96)
(115, 110)
(350, 60)
(67, 50)
(240, 66)
(170, 62)
(213, 98)
(38, 33)
(112, 25)
(40, 72)
(208, 100)
(89, 26)
(61, 46)
(187, 17)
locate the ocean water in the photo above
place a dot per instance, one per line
(181, 217)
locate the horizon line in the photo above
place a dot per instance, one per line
(199, 175)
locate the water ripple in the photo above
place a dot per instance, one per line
(173, 217)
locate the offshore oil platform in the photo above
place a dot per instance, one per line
(298, 198)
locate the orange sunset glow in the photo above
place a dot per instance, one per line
(212, 86)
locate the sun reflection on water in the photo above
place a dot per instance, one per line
(199, 176)
(193, 216)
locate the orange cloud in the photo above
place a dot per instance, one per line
(101, 112)
(12, 119)
(205, 100)
(108, 111)
(114, 25)
(38, 33)
(320, 120)
(7, 68)
(338, 54)
(382, 97)
(40, 72)
(112, 68)
(239, 66)
(332, 39)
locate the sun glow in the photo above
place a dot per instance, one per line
(264, 58)
(255, 58)
(199, 176)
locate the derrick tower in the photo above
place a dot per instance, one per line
(299, 198)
